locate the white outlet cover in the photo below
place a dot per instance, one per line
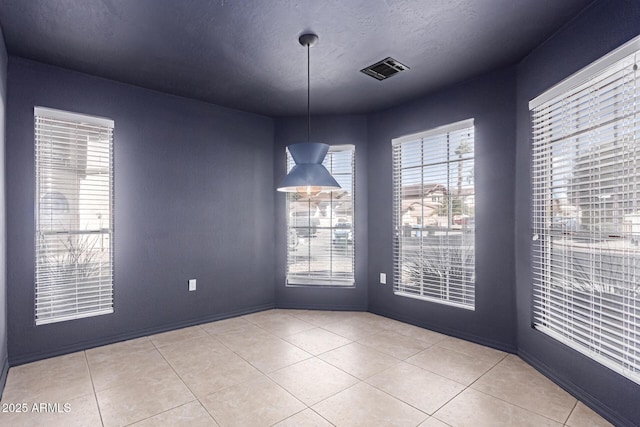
(192, 284)
(383, 278)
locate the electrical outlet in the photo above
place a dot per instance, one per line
(192, 284)
(383, 278)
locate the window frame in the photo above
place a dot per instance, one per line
(408, 289)
(330, 280)
(561, 307)
(73, 278)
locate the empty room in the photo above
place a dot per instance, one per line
(320, 213)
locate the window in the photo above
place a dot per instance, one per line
(586, 211)
(74, 216)
(434, 215)
(320, 227)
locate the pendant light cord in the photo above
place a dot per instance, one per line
(308, 93)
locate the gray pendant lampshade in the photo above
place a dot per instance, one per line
(309, 174)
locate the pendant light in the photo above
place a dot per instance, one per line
(309, 176)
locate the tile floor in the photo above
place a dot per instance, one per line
(290, 368)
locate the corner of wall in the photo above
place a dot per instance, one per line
(3, 374)
(3, 238)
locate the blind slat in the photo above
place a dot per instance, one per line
(74, 216)
(586, 216)
(433, 214)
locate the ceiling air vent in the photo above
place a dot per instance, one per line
(384, 69)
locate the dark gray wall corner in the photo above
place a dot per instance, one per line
(3, 235)
(194, 198)
(490, 100)
(332, 130)
(604, 26)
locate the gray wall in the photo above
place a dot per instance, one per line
(605, 25)
(332, 130)
(194, 198)
(490, 100)
(192, 177)
(4, 362)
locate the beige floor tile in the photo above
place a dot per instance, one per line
(226, 325)
(126, 404)
(273, 355)
(341, 315)
(582, 415)
(189, 415)
(172, 337)
(260, 402)
(433, 422)
(193, 353)
(376, 320)
(112, 371)
(57, 379)
(472, 349)
(120, 349)
(245, 337)
(80, 412)
(312, 380)
(516, 382)
(366, 406)
(317, 341)
(262, 316)
(359, 360)
(259, 369)
(419, 388)
(451, 364)
(416, 332)
(354, 329)
(395, 344)
(216, 373)
(284, 327)
(321, 317)
(475, 409)
(306, 418)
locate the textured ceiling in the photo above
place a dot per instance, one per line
(245, 54)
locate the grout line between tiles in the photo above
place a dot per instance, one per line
(518, 406)
(515, 404)
(488, 370)
(434, 416)
(165, 411)
(435, 373)
(321, 416)
(447, 402)
(571, 412)
(400, 400)
(93, 386)
(290, 416)
(196, 399)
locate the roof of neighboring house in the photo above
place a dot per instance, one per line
(418, 191)
(408, 205)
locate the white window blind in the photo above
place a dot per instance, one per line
(320, 227)
(434, 215)
(586, 213)
(74, 216)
